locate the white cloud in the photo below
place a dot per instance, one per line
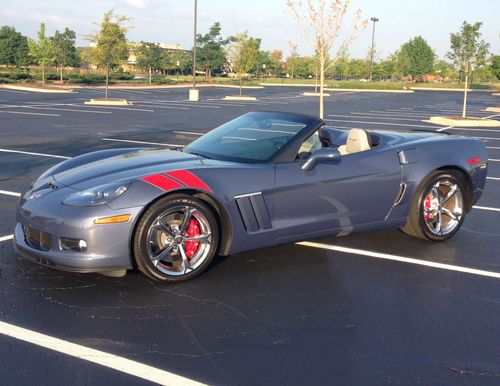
(136, 3)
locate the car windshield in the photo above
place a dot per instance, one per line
(253, 137)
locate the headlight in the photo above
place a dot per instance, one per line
(97, 196)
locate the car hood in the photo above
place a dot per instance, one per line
(123, 167)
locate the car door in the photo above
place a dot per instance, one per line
(335, 197)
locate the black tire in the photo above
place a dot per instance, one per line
(150, 238)
(426, 210)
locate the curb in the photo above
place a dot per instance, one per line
(184, 85)
(447, 89)
(41, 90)
(109, 102)
(370, 90)
(446, 121)
(239, 98)
(493, 109)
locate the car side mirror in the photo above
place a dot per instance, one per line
(326, 154)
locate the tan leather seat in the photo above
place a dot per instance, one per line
(357, 140)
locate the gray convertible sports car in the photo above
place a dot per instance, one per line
(262, 179)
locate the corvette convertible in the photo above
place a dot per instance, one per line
(261, 179)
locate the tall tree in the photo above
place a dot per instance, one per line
(291, 59)
(65, 52)
(110, 47)
(321, 21)
(149, 57)
(417, 57)
(42, 50)
(243, 54)
(276, 57)
(13, 47)
(495, 65)
(468, 51)
(210, 50)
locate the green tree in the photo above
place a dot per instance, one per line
(276, 66)
(210, 52)
(65, 52)
(243, 54)
(495, 65)
(443, 69)
(42, 50)
(110, 47)
(321, 21)
(149, 57)
(468, 51)
(13, 47)
(417, 57)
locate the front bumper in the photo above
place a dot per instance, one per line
(108, 245)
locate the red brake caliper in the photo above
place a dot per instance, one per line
(192, 246)
(427, 205)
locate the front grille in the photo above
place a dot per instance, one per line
(37, 239)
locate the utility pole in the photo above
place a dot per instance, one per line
(194, 94)
(374, 19)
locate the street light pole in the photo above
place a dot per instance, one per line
(194, 93)
(374, 19)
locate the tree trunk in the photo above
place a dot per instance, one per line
(62, 80)
(321, 88)
(43, 75)
(241, 85)
(150, 75)
(464, 111)
(107, 80)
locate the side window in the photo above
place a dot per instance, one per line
(309, 146)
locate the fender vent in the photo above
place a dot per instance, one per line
(253, 212)
(399, 197)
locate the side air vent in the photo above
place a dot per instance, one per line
(253, 212)
(399, 197)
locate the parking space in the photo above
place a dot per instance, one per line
(377, 307)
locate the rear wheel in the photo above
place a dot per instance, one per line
(175, 239)
(438, 208)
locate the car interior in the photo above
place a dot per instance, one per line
(347, 142)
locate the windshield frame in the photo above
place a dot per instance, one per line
(286, 153)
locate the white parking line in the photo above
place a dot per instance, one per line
(494, 159)
(142, 142)
(445, 128)
(493, 178)
(116, 108)
(115, 362)
(49, 106)
(379, 123)
(486, 208)
(9, 193)
(162, 106)
(188, 133)
(6, 238)
(369, 116)
(25, 113)
(403, 259)
(493, 147)
(31, 153)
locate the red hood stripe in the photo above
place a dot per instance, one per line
(189, 179)
(162, 182)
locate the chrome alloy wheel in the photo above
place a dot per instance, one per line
(179, 240)
(443, 207)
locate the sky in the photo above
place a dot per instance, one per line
(171, 21)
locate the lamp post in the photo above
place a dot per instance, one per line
(194, 94)
(374, 19)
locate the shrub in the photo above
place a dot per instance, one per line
(122, 76)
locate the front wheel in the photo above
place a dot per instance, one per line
(438, 208)
(175, 239)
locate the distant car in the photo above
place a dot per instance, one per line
(262, 179)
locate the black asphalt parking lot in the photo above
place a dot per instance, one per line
(289, 315)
